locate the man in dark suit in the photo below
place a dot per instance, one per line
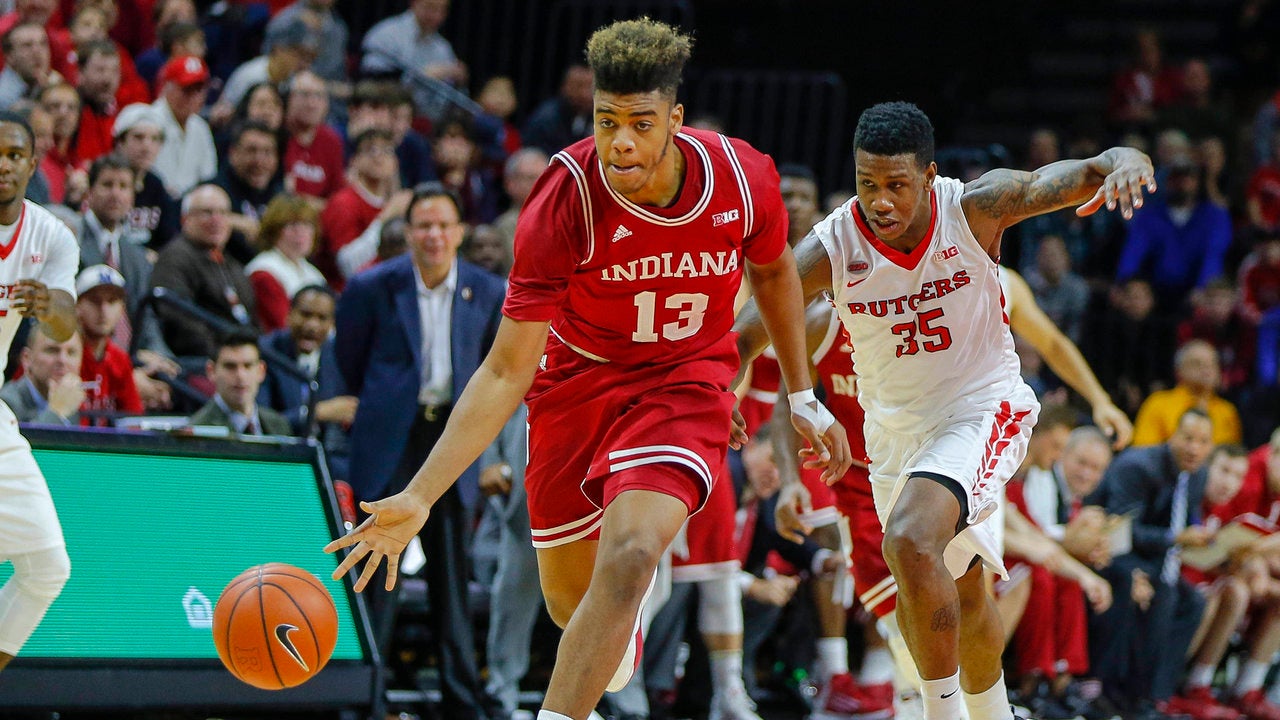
(236, 370)
(1138, 647)
(411, 332)
(307, 341)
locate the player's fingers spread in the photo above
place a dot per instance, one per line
(393, 571)
(1135, 190)
(1092, 205)
(370, 567)
(348, 563)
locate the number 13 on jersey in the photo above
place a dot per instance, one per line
(690, 308)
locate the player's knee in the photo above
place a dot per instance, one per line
(42, 574)
(906, 544)
(1235, 592)
(627, 563)
(561, 605)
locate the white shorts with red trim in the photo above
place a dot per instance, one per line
(980, 450)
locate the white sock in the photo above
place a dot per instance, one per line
(833, 656)
(877, 666)
(942, 698)
(990, 704)
(1201, 675)
(726, 672)
(1251, 676)
(548, 715)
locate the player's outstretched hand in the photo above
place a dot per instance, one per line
(828, 444)
(793, 500)
(1114, 423)
(391, 524)
(1131, 174)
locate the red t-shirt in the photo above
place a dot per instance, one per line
(93, 139)
(1264, 187)
(111, 387)
(348, 214)
(1260, 287)
(634, 284)
(317, 169)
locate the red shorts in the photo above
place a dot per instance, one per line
(872, 581)
(755, 412)
(709, 551)
(599, 429)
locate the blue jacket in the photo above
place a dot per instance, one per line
(379, 348)
(1175, 259)
(287, 395)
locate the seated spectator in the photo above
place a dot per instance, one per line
(288, 237)
(1211, 154)
(1262, 196)
(458, 164)
(98, 83)
(41, 13)
(307, 339)
(313, 158)
(193, 267)
(374, 180)
(105, 367)
(250, 178)
(520, 172)
(262, 104)
(485, 247)
(329, 29)
(1198, 372)
(409, 45)
(236, 369)
(1197, 110)
(61, 167)
(1216, 319)
(42, 129)
(1128, 345)
(188, 155)
(385, 105)
(1061, 293)
(566, 118)
(89, 25)
(288, 49)
(1178, 240)
(166, 16)
(50, 391)
(139, 135)
(1145, 86)
(498, 99)
(27, 69)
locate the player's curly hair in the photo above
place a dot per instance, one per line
(895, 128)
(638, 56)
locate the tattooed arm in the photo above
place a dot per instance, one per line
(1003, 197)
(814, 267)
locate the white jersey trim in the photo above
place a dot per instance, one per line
(649, 454)
(707, 190)
(828, 340)
(580, 177)
(744, 188)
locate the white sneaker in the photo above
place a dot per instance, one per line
(732, 705)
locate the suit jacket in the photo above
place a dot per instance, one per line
(1142, 481)
(379, 350)
(136, 269)
(190, 271)
(17, 394)
(286, 395)
(273, 423)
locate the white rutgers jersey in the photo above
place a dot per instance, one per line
(37, 247)
(930, 336)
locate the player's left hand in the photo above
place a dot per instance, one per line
(1114, 423)
(391, 524)
(737, 430)
(31, 298)
(828, 444)
(1131, 173)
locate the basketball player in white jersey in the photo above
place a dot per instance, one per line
(911, 263)
(38, 259)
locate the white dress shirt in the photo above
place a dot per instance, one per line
(1043, 491)
(108, 240)
(435, 308)
(187, 156)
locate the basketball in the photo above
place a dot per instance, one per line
(275, 626)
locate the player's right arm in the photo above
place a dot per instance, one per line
(814, 268)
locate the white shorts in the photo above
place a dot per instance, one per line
(980, 450)
(28, 522)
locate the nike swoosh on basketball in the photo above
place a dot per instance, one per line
(282, 636)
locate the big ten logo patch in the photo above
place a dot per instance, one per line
(946, 253)
(723, 218)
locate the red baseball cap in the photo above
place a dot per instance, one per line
(185, 71)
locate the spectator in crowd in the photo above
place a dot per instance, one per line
(50, 391)
(1138, 647)
(799, 189)
(1198, 373)
(41, 13)
(1217, 319)
(1262, 196)
(307, 340)
(250, 178)
(65, 173)
(27, 68)
(409, 45)
(565, 119)
(262, 104)
(329, 30)
(42, 128)
(1239, 588)
(1211, 154)
(458, 164)
(188, 156)
(236, 369)
(1197, 110)
(485, 247)
(410, 334)
(519, 173)
(498, 100)
(1062, 294)
(289, 48)
(99, 81)
(386, 105)
(374, 180)
(139, 135)
(88, 26)
(166, 16)
(1178, 240)
(290, 226)
(194, 267)
(313, 157)
(1145, 86)
(1129, 345)
(105, 367)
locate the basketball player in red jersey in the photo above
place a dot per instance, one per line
(629, 251)
(911, 265)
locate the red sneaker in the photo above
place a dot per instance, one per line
(842, 698)
(1254, 704)
(1200, 704)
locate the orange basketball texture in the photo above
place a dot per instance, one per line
(275, 626)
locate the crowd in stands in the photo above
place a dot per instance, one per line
(262, 184)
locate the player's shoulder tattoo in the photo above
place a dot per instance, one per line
(1003, 193)
(810, 254)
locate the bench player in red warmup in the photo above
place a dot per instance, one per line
(911, 265)
(630, 251)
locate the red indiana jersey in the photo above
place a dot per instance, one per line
(834, 362)
(634, 284)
